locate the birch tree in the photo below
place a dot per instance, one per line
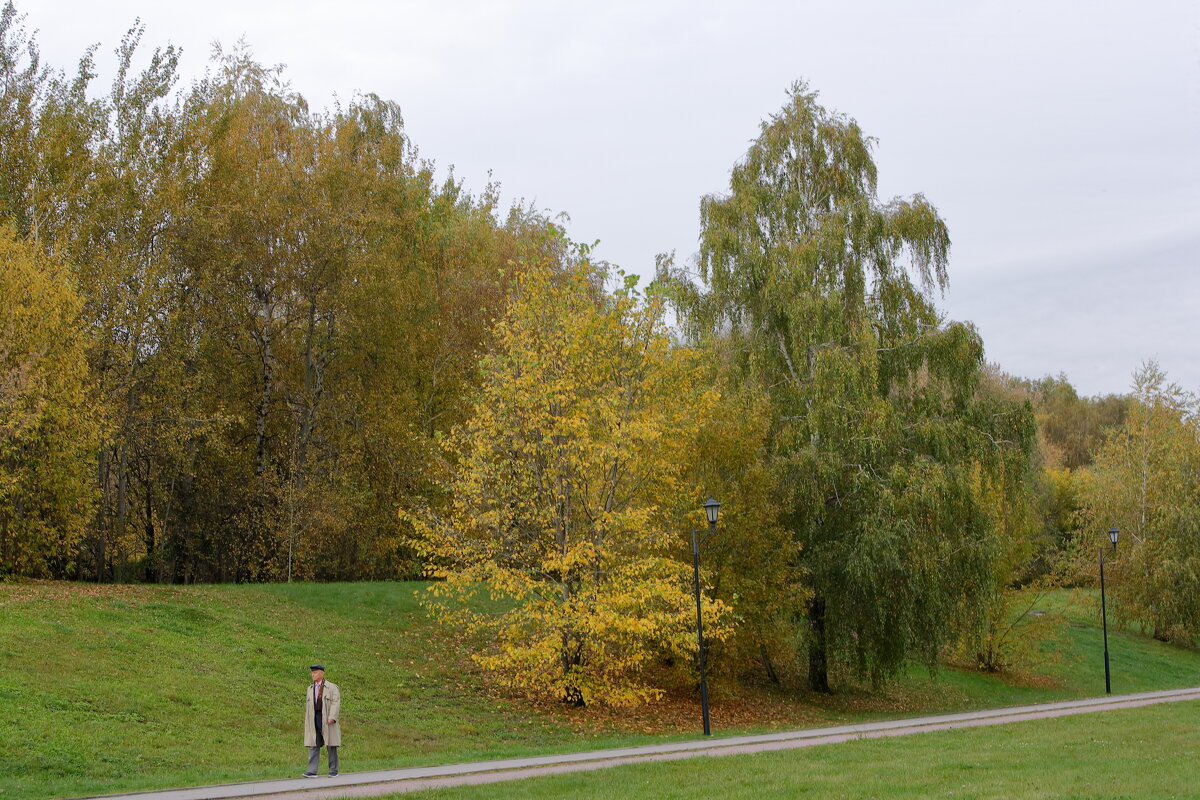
(1146, 481)
(880, 441)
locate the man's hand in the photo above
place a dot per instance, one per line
(330, 721)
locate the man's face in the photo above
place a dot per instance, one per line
(318, 674)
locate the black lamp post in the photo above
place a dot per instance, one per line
(711, 509)
(1113, 533)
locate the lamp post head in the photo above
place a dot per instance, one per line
(1113, 533)
(711, 509)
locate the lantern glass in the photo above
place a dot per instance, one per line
(711, 509)
(1113, 533)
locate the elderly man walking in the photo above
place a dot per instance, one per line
(321, 728)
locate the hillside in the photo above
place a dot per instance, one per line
(111, 688)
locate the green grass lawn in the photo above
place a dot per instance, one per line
(1138, 662)
(119, 688)
(1140, 753)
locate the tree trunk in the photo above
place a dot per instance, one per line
(101, 529)
(183, 545)
(122, 493)
(768, 664)
(571, 695)
(818, 662)
(314, 388)
(149, 576)
(123, 450)
(264, 404)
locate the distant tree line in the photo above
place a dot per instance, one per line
(243, 340)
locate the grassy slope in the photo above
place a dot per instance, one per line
(1142, 753)
(118, 688)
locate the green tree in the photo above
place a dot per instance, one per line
(115, 236)
(23, 82)
(881, 443)
(754, 555)
(1071, 426)
(1070, 430)
(1144, 481)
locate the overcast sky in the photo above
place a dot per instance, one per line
(1058, 139)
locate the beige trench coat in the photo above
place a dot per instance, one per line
(331, 704)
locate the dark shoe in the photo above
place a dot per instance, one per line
(309, 775)
(333, 774)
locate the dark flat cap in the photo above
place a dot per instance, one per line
(318, 666)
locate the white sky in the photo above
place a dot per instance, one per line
(1058, 139)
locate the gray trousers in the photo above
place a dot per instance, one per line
(314, 755)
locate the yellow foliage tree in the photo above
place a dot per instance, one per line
(566, 473)
(48, 432)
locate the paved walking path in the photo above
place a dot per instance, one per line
(389, 781)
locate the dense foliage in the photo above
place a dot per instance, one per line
(280, 309)
(48, 429)
(566, 474)
(1145, 482)
(245, 340)
(886, 454)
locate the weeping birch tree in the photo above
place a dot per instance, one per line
(882, 445)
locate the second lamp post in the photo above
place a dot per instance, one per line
(1113, 532)
(711, 509)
